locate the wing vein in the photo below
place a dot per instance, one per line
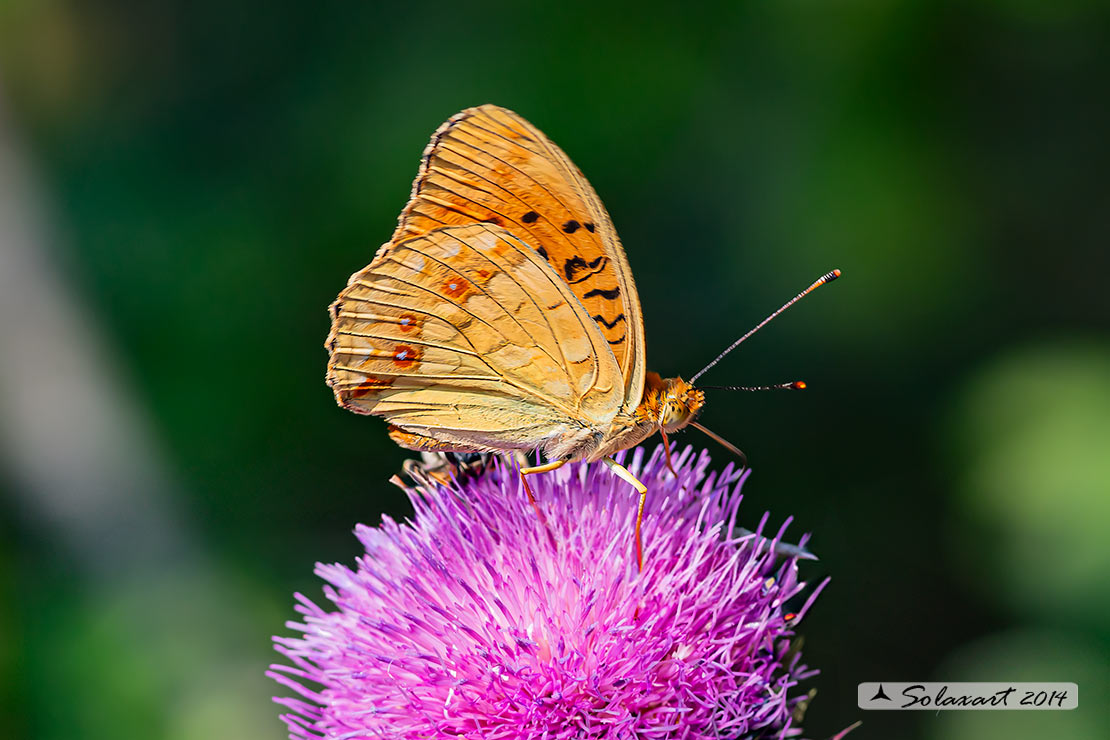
(561, 365)
(562, 234)
(546, 271)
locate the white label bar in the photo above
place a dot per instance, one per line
(936, 695)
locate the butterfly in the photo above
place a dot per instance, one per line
(502, 314)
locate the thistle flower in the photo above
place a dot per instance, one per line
(478, 620)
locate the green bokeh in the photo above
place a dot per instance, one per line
(1035, 431)
(1028, 656)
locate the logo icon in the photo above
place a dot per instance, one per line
(880, 694)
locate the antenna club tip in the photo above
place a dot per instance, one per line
(798, 385)
(832, 276)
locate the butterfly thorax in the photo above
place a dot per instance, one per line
(668, 404)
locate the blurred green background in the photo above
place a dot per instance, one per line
(184, 187)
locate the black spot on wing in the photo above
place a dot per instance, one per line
(571, 226)
(573, 265)
(530, 217)
(541, 252)
(576, 264)
(607, 294)
(608, 324)
(589, 227)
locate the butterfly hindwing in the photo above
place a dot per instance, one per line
(465, 334)
(488, 164)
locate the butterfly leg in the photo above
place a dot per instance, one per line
(543, 468)
(667, 449)
(528, 489)
(532, 499)
(624, 474)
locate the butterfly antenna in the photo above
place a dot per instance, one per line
(826, 278)
(723, 442)
(797, 385)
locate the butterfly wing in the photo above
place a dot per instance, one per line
(465, 335)
(488, 164)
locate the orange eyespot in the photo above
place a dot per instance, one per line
(407, 323)
(455, 287)
(372, 383)
(405, 356)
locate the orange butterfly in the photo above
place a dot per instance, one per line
(502, 314)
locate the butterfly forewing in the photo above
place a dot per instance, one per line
(465, 334)
(489, 165)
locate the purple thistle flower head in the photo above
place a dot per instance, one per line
(475, 620)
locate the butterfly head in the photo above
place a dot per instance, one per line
(677, 402)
